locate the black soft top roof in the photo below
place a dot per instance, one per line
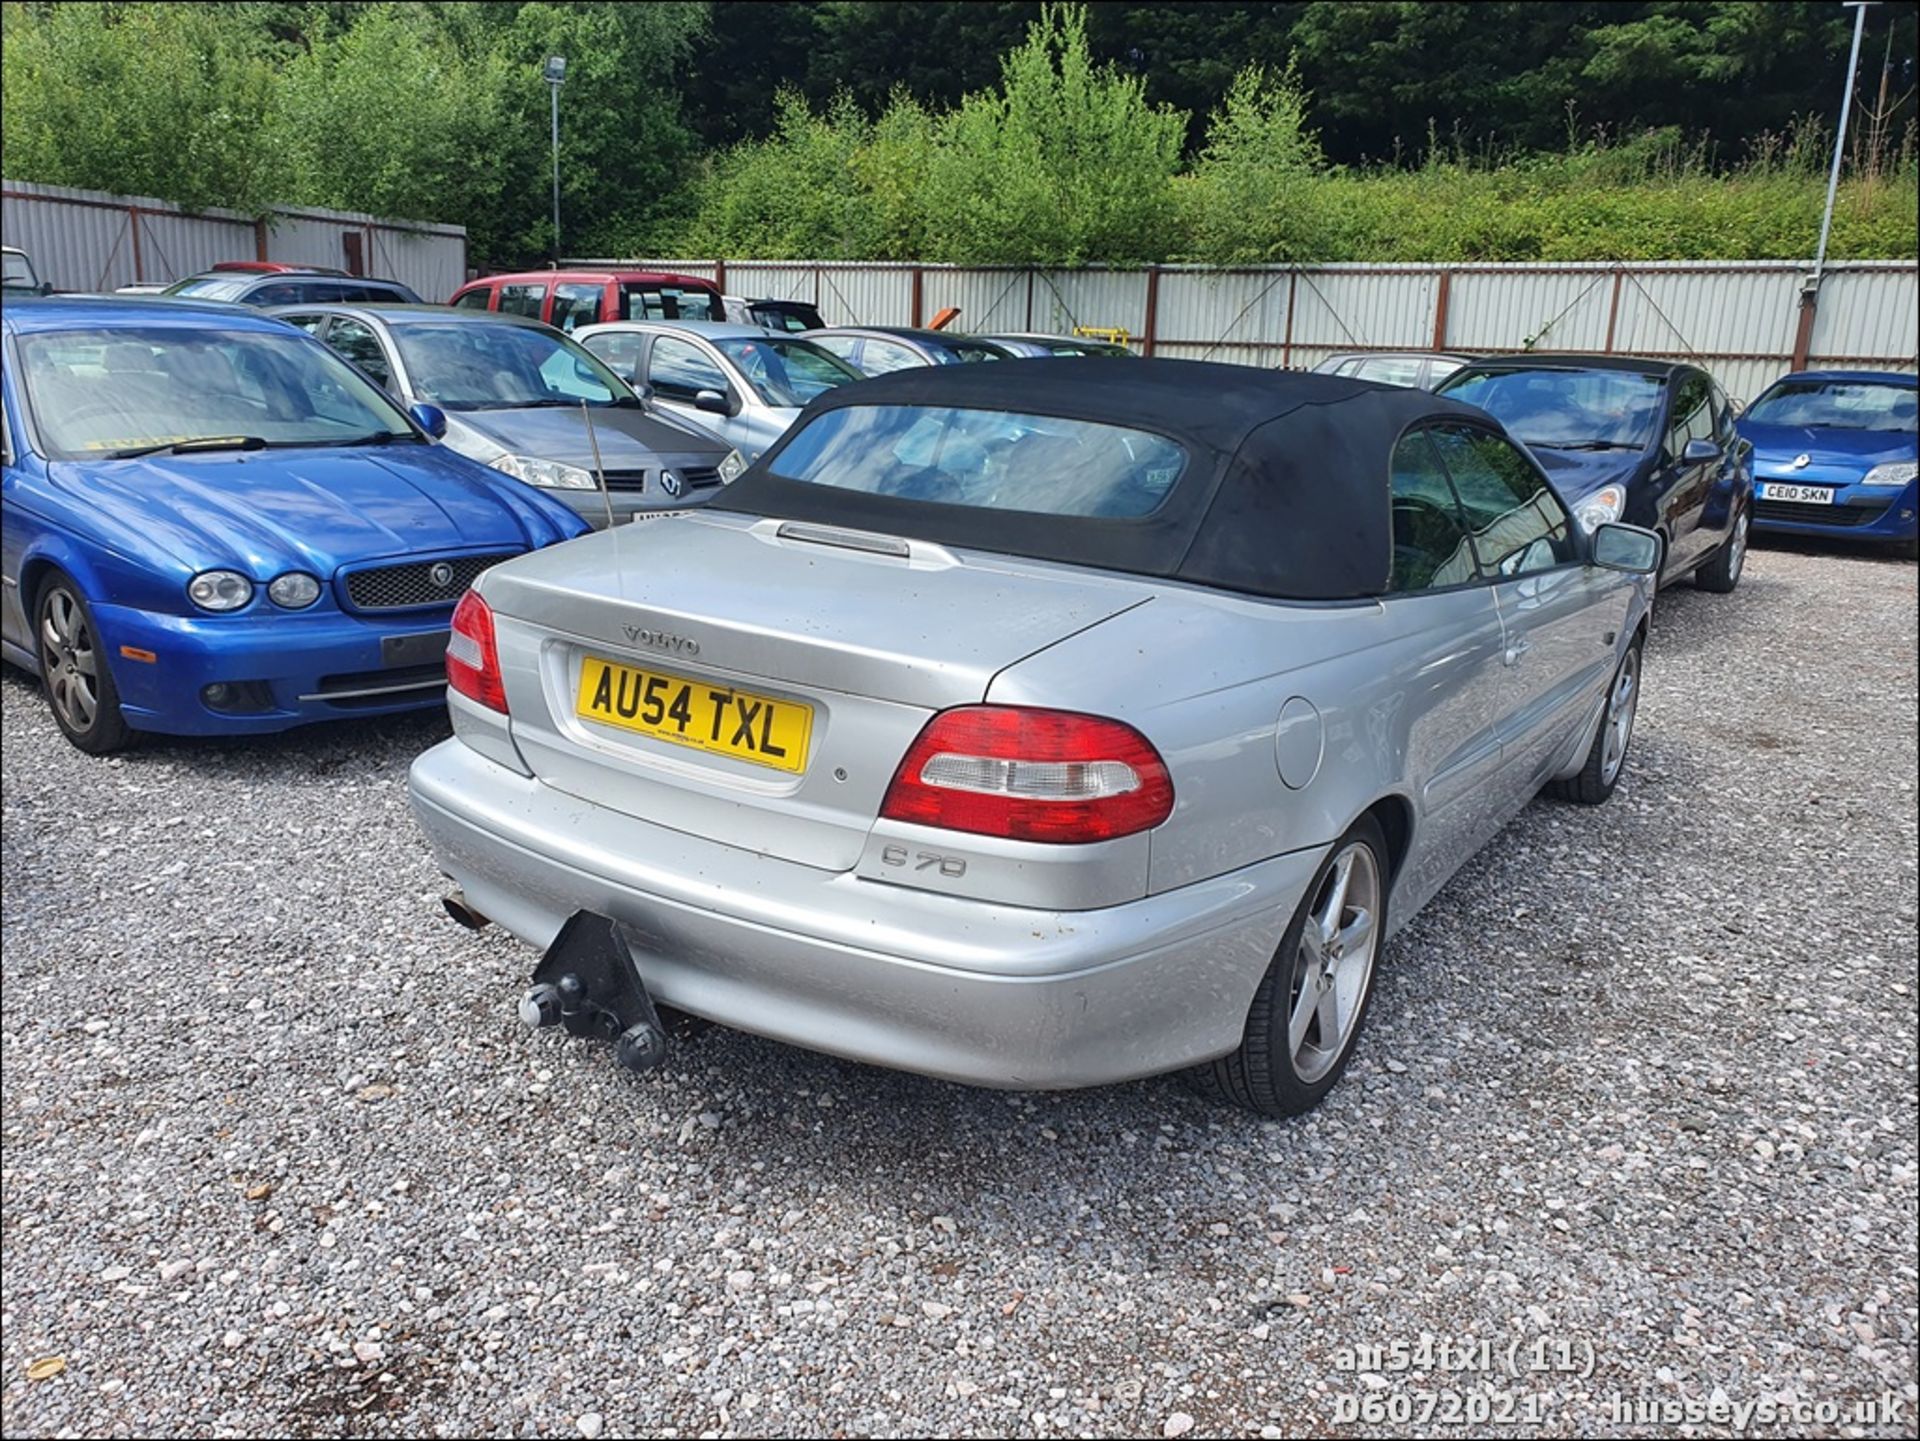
(1284, 494)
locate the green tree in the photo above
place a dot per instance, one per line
(1249, 199)
(1065, 163)
(164, 100)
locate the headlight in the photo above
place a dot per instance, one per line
(296, 590)
(1605, 504)
(219, 590)
(1897, 473)
(548, 474)
(735, 464)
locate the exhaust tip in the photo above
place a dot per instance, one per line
(458, 909)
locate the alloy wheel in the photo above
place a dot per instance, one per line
(1622, 703)
(1335, 963)
(68, 660)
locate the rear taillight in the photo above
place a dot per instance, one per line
(1031, 775)
(473, 661)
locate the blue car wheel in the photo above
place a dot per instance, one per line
(74, 670)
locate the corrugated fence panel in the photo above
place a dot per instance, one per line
(1102, 299)
(173, 246)
(774, 282)
(875, 295)
(1869, 312)
(1701, 311)
(1341, 306)
(74, 247)
(82, 240)
(1489, 312)
(987, 299)
(1231, 315)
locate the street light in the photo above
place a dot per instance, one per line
(556, 71)
(1859, 9)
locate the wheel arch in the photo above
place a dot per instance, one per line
(1393, 813)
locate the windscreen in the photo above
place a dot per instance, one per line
(1566, 408)
(97, 393)
(478, 365)
(786, 372)
(209, 287)
(18, 271)
(986, 459)
(1838, 405)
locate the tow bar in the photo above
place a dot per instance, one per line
(588, 982)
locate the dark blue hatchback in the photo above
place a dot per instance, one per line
(214, 525)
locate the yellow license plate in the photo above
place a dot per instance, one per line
(701, 714)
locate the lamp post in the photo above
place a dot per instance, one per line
(556, 71)
(1859, 9)
(1810, 287)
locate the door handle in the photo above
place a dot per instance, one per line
(1517, 649)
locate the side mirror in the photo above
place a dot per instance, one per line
(44, 288)
(713, 402)
(430, 418)
(641, 388)
(1626, 547)
(1700, 452)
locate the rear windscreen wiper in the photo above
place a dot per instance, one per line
(181, 447)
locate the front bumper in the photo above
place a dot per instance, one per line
(304, 666)
(987, 994)
(1858, 511)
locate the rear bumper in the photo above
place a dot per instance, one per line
(985, 994)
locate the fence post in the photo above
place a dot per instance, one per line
(1029, 298)
(1153, 310)
(919, 276)
(720, 276)
(1803, 332)
(259, 237)
(1440, 304)
(1613, 308)
(1286, 343)
(133, 221)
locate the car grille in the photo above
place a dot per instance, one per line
(412, 586)
(368, 689)
(1793, 512)
(693, 477)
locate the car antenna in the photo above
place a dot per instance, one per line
(599, 470)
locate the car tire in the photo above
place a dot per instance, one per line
(1291, 1055)
(1721, 574)
(1605, 764)
(73, 669)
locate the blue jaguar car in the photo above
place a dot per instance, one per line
(215, 525)
(1834, 453)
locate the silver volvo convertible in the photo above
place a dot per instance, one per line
(1035, 727)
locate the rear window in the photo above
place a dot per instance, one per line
(669, 302)
(209, 287)
(987, 459)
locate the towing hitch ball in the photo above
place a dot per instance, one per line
(588, 982)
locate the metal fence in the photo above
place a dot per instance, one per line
(1742, 319)
(89, 240)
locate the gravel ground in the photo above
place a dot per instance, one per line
(1640, 1085)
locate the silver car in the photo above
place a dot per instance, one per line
(739, 381)
(1035, 725)
(512, 391)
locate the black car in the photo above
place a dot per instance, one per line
(292, 287)
(877, 349)
(1650, 442)
(787, 315)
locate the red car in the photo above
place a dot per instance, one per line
(568, 299)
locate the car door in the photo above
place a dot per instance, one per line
(1452, 704)
(357, 341)
(678, 369)
(1554, 607)
(14, 624)
(1687, 485)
